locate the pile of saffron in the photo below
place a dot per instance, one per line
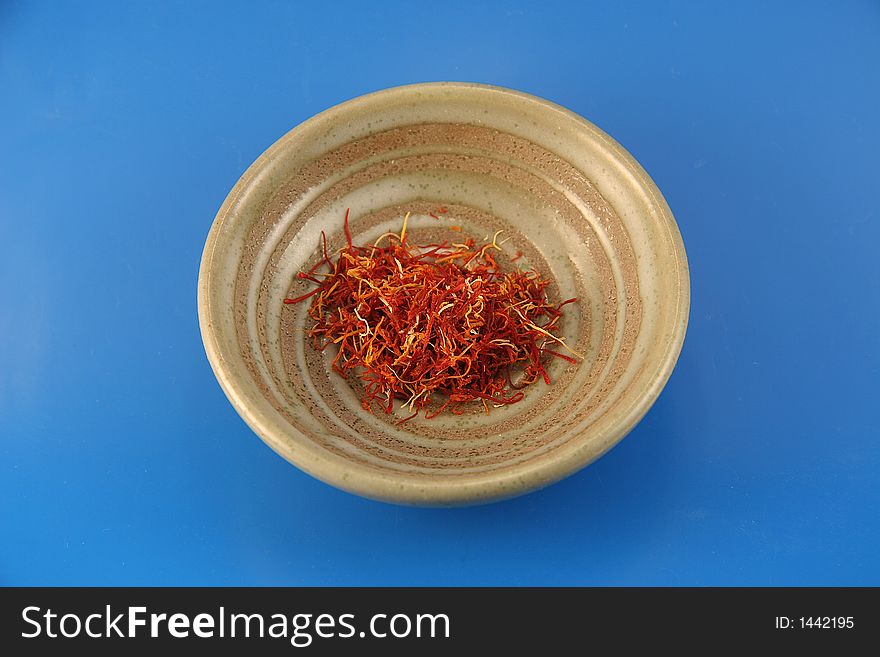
(437, 326)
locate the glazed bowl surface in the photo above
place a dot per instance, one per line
(577, 207)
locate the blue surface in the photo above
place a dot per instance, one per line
(124, 125)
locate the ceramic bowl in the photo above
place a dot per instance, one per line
(577, 206)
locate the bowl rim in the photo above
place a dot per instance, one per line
(410, 489)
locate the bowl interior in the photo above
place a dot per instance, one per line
(565, 196)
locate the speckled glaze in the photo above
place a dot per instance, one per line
(573, 201)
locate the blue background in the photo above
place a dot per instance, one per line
(124, 125)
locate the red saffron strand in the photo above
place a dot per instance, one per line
(303, 297)
(558, 355)
(347, 229)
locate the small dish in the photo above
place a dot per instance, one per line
(578, 207)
